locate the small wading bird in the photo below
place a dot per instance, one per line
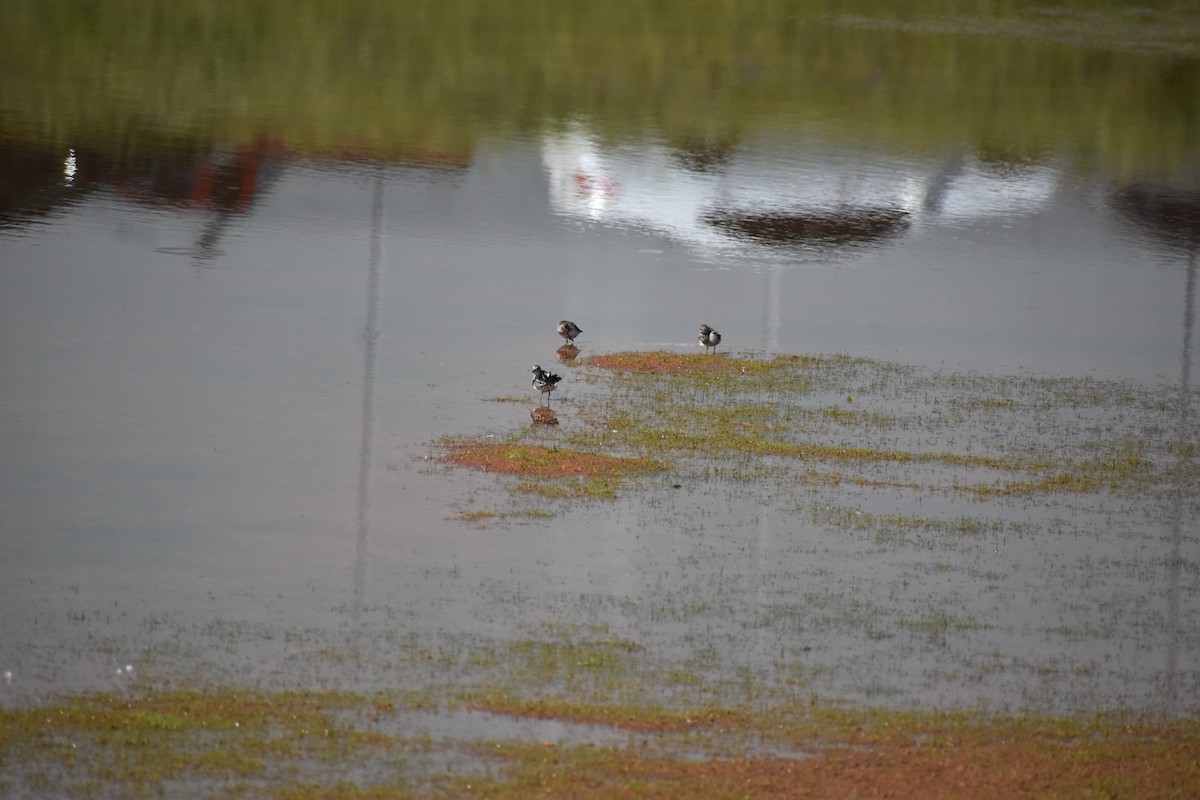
(544, 381)
(568, 330)
(709, 338)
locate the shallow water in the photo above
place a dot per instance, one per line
(221, 372)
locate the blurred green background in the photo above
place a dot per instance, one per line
(1112, 86)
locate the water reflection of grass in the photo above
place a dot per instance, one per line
(433, 79)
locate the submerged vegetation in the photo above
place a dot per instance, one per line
(840, 420)
(770, 663)
(866, 529)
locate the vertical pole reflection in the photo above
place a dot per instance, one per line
(371, 337)
(771, 321)
(764, 637)
(1181, 494)
(771, 302)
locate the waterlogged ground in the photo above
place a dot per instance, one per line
(342, 745)
(869, 530)
(802, 539)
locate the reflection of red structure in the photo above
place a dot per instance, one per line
(211, 180)
(246, 163)
(37, 181)
(593, 186)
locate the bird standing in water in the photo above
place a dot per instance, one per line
(709, 338)
(568, 330)
(544, 381)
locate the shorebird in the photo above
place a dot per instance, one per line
(568, 330)
(544, 381)
(709, 338)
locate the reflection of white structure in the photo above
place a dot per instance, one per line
(806, 197)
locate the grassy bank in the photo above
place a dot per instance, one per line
(1110, 87)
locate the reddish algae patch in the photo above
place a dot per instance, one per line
(1156, 769)
(206, 741)
(859, 753)
(662, 362)
(977, 760)
(627, 718)
(537, 461)
(659, 361)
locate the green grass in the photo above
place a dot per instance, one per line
(1016, 82)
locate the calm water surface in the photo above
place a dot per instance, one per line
(223, 362)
